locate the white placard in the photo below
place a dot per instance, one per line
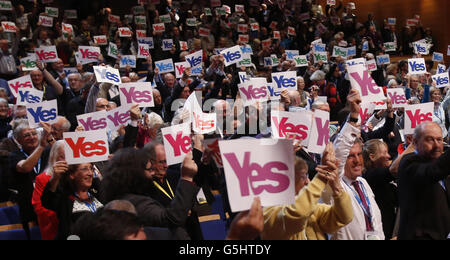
(232, 55)
(137, 93)
(398, 97)
(195, 61)
(125, 32)
(93, 121)
(167, 44)
(46, 21)
(361, 80)
(417, 114)
(320, 132)
(285, 80)
(301, 61)
(383, 59)
(101, 40)
(47, 54)
(29, 63)
(29, 96)
(441, 80)
(128, 60)
(262, 168)
(9, 27)
(165, 66)
(23, 82)
(46, 112)
(88, 54)
(417, 66)
(204, 123)
(177, 142)
(292, 125)
(180, 67)
(143, 51)
(118, 117)
(253, 91)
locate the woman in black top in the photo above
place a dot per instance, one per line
(71, 192)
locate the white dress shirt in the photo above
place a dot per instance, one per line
(356, 230)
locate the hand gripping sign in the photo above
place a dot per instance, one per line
(140, 93)
(361, 80)
(292, 124)
(46, 112)
(86, 147)
(177, 142)
(417, 114)
(263, 168)
(320, 132)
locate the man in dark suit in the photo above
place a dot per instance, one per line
(424, 187)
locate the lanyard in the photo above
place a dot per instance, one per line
(438, 114)
(368, 214)
(90, 205)
(163, 191)
(37, 168)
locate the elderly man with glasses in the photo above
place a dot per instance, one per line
(25, 165)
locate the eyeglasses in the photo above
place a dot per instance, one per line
(151, 169)
(28, 135)
(87, 169)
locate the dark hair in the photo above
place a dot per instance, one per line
(125, 174)
(106, 225)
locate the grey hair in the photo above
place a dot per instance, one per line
(66, 125)
(75, 74)
(2, 100)
(318, 75)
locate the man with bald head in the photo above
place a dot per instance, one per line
(424, 187)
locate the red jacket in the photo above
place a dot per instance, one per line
(47, 219)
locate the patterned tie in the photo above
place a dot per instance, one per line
(364, 202)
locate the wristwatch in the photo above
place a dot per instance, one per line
(51, 140)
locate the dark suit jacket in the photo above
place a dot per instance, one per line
(153, 214)
(424, 204)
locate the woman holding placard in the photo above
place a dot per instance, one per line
(71, 192)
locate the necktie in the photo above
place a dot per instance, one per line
(364, 202)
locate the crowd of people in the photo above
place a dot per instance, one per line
(372, 181)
